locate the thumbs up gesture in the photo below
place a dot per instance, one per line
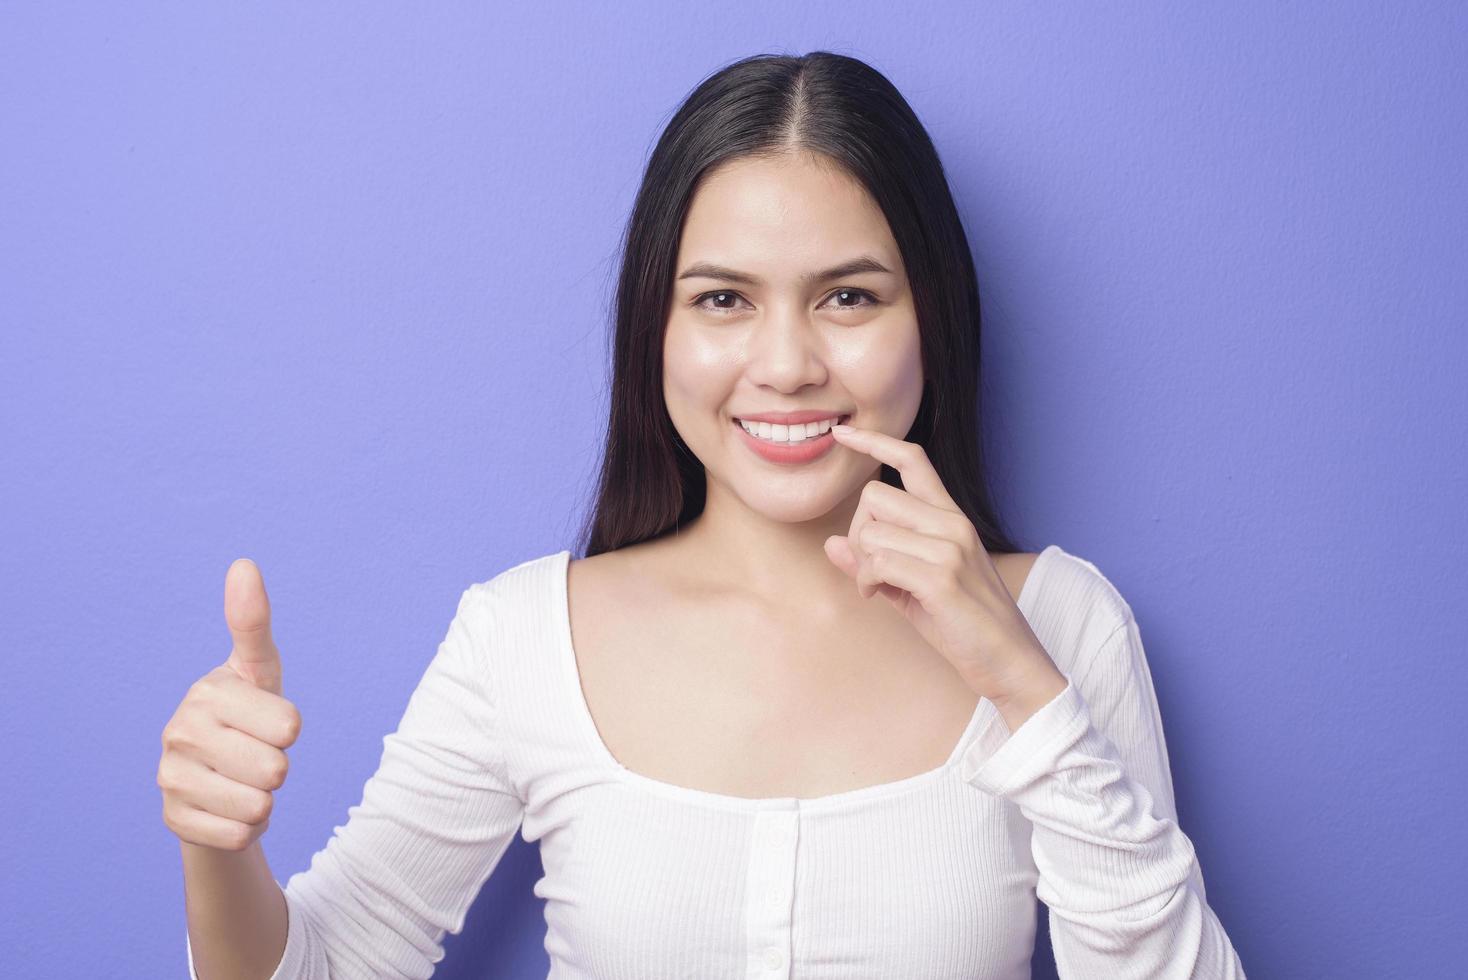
(224, 748)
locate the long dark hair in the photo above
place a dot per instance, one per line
(843, 109)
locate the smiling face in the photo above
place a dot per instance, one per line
(774, 340)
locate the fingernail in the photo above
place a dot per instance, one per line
(840, 427)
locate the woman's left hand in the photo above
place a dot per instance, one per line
(916, 547)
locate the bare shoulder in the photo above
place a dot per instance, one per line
(587, 579)
(1014, 570)
(601, 584)
(591, 606)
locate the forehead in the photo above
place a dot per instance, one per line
(783, 215)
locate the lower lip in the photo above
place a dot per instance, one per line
(782, 452)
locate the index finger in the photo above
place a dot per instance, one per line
(907, 458)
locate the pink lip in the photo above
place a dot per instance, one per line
(802, 452)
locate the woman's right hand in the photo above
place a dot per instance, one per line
(223, 749)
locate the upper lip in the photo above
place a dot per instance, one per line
(792, 418)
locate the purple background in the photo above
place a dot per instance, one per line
(328, 288)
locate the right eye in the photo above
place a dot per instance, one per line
(698, 303)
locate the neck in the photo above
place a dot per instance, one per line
(779, 562)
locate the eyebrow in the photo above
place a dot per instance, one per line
(860, 264)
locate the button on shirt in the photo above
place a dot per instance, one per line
(932, 876)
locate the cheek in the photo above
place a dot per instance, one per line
(694, 365)
(883, 367)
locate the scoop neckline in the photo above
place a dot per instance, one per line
(688, 794)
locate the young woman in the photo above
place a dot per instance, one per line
(803, 709)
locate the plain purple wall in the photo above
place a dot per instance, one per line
(327, 288)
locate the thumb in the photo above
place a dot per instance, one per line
(247, 613)
(838, 549)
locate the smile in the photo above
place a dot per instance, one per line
(773, 445)
(790, 434)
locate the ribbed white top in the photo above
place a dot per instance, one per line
(932, 876)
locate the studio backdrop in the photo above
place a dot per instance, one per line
(328, 286)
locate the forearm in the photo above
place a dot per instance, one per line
(236, 913)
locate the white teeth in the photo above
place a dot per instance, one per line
(787, 433)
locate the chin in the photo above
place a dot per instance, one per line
(795, 505)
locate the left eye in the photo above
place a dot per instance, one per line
(871, 300)
(700, 304)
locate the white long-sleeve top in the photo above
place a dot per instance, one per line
(932, 876)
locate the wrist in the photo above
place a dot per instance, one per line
(1029, 694)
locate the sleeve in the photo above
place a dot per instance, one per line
(1090, 771)
(434, 820)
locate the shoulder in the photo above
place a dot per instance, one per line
(1076, 606)
(1083, 588)
(1014, 569)
(546, 584)
(513, 620)
(515, 585)
(590, 582)
(595, 571)
(645, 574)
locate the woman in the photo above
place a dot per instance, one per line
(740, 761)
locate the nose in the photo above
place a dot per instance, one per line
(786, 350)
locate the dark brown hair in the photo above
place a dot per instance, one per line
(841, 109)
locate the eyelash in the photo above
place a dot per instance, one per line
(698, 300)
